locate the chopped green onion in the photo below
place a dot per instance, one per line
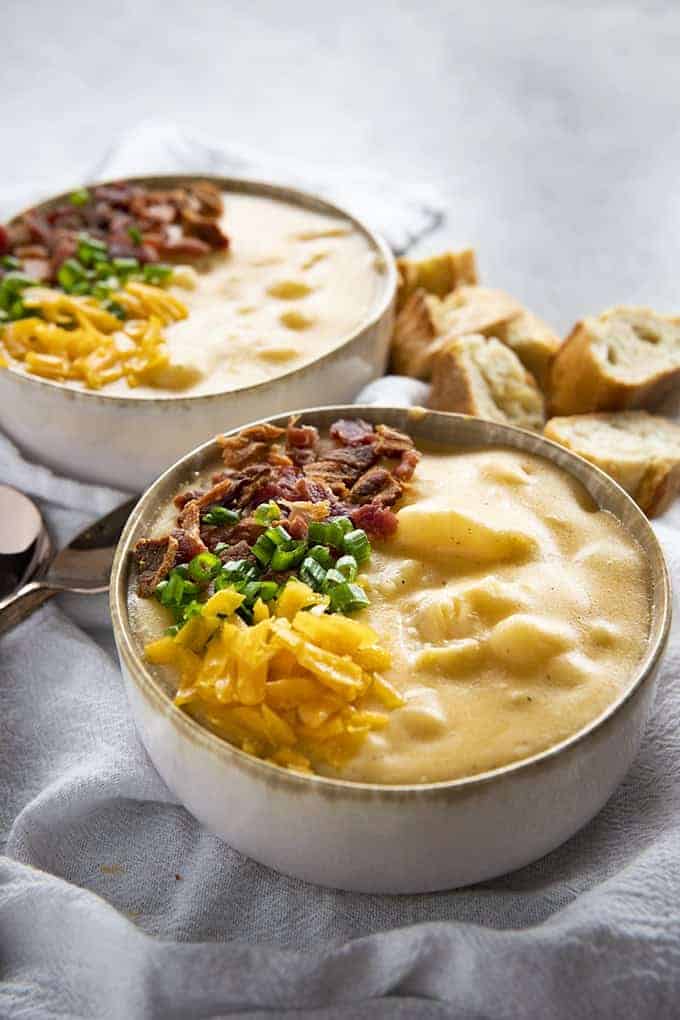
(343, 524)
(220, 547)
(266, 513)
(192, 609)
(356, 544)
(172, 593)
(345, 598)
(288, 555)
(172, 631)
(14, 282)
(268, 590)
(235, 571)
(250, 591)
(205, 566)
(330, 532)
(125, 266)
(10, 262)
(70, 273)
(79, 197)
(333, 578)
(217, 514)
(322, 554)
(312, 573)
(135, 235)
(263, 550)
(182, 570)
(91, 250)
(348, 566)
(157, 272)
(277, 535)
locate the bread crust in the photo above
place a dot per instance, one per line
(651, 476)
(425, 323)
(478, 375)
(438, 275)
(579, 382)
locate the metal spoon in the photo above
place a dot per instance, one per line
(26, 568)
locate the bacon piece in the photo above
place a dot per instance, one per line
(206, 229)
(407, 465)
(237, 551)
(208, 197)
(188, 532)
(391, 442)
(352, 431)
(182, 498)
(247, 445)
(342, 466)
(155, 558)
(377, 485)
(377, 521)
(4, 240)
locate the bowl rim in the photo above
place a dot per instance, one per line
(246, 186)
(660, 607)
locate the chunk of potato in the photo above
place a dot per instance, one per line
(525, 641)
(433, 531)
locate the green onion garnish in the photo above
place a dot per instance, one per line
(322, 554)
(346, 598)
(263, 550)
(330, 532)
(277, 535)
(70, 273)
(217, 514)
(135, 235)
(10, 262)
(268, 590)
(79, 197)
(235, 571)
(171, 594)
(312, 573)
(332, 579)
(266, 513)
(204, 567)
(125, 266)
(356, 544)
(157, 272)
(288, 555)
(348, 567)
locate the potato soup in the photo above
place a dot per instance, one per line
(491, 610)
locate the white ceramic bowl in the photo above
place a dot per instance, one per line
(399, 839)
(127, 441)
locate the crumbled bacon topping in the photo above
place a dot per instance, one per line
(349, 474)
(151, 225)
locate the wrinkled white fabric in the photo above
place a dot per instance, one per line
(115, 903)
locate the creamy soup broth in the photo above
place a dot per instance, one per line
(293, 284)
(514, 610)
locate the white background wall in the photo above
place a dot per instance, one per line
(552, 129)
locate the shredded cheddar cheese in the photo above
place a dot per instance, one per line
(293, 688)
(74, 338)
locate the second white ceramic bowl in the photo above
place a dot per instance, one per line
(126, 442)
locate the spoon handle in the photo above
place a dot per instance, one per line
(22, 603)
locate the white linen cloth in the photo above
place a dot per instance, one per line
(115, 903)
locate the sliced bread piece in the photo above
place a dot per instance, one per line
(624, 358)
(534, 343)
(478, 375)
(640, 451)
(425, 321)
(438, 275)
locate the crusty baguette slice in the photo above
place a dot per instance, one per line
(534, 343)
(640, 451)
(624, 358)
(425, 321)
(438, 275)
(478, 375)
